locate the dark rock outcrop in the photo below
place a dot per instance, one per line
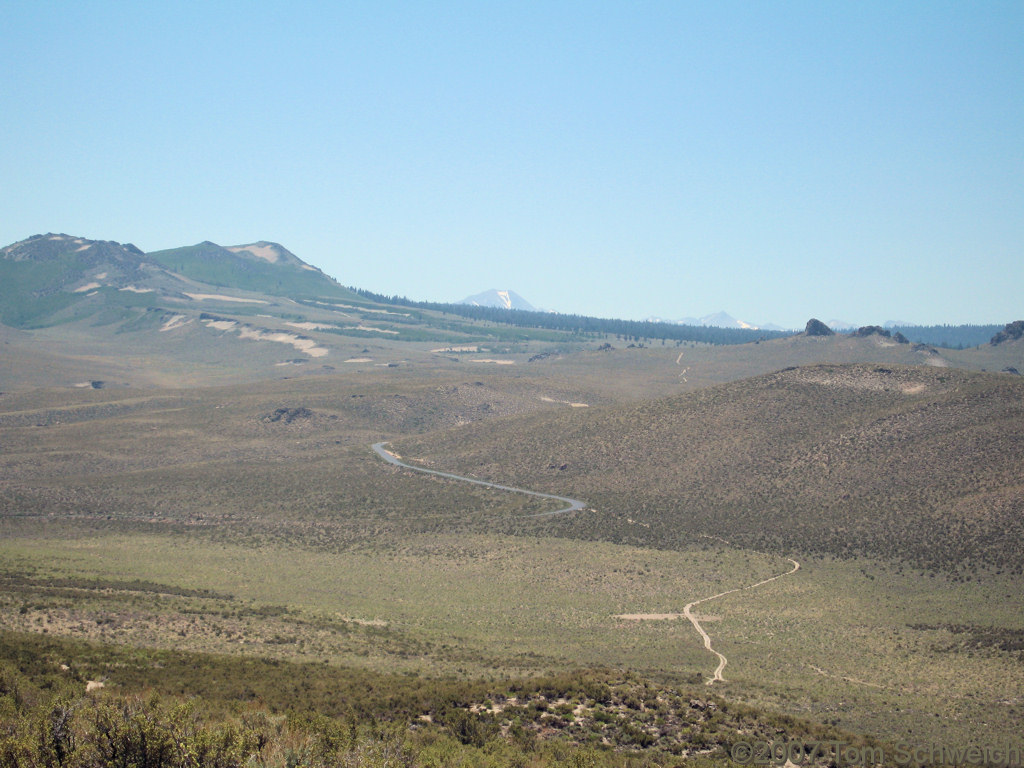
(1011, 332)
(288, 415)
(869, 330)
(817, 328)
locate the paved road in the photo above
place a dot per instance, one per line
(575, 505)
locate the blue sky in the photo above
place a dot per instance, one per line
(783, 160)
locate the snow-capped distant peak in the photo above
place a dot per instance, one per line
(716, 320)
(505, 299)
(723, 320)
(840, 325)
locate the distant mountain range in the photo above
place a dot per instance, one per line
(263, 291)
(843, 325)
(720, 320)
(508, 299)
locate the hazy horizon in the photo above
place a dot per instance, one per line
(778, 162)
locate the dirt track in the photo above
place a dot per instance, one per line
(722, 661)
(576, 505)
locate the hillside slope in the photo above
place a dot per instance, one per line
(914, 464)
(262, 267)
(55, 279)
(44, 277)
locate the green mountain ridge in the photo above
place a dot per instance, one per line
(48, 273)
(49, 279)
(263, 267)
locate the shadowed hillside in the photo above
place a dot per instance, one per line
(915, 464)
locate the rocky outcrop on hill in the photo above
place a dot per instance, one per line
(1011, 332)
(817, 328)
(876, 330)
(871, 330)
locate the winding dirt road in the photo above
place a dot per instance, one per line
(722, 661)
(575, 505)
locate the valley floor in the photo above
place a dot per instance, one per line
(255, 523)
(832, 642)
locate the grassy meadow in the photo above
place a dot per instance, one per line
(854, 644)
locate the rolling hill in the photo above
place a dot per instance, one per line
(261, 267)
(54, 279)
(912, 464)
(46, 277)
